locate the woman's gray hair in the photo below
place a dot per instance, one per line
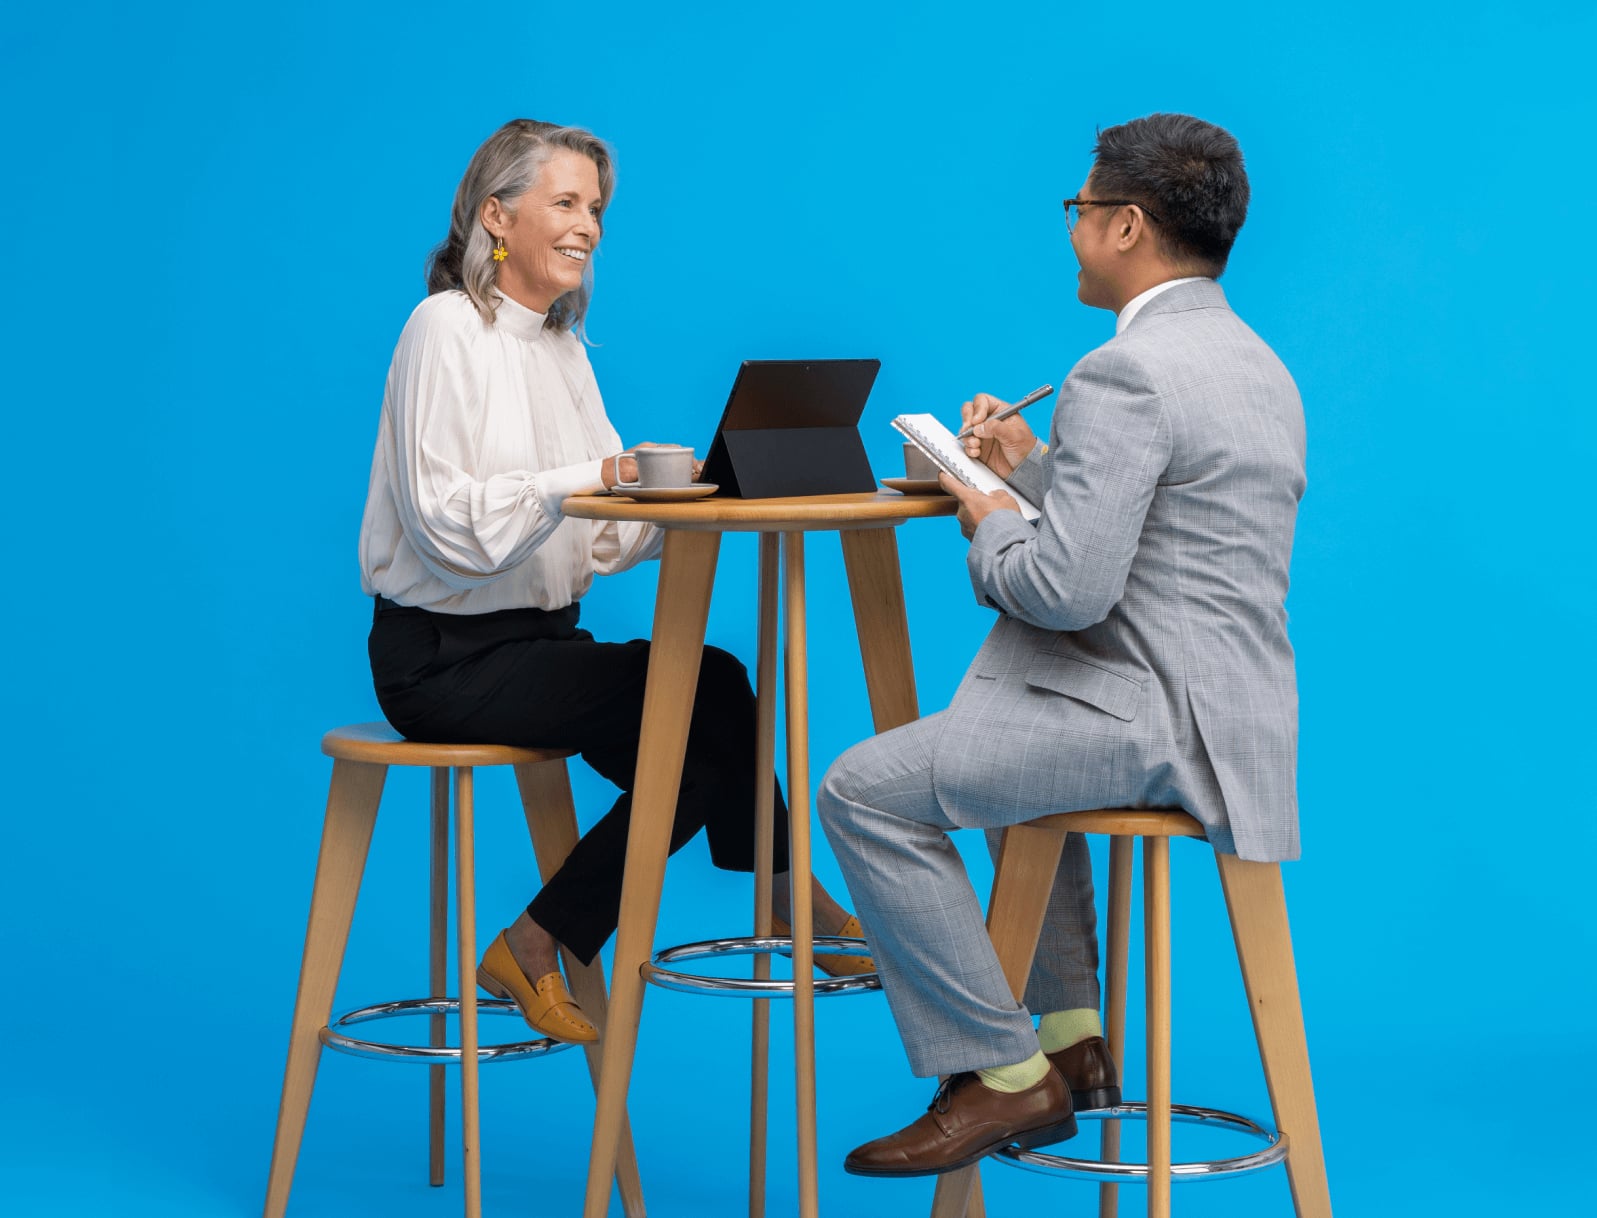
(506, 166)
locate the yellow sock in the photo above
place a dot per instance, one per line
(1060, 1029)
(1017, 1077)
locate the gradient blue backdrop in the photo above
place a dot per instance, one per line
(216, 226)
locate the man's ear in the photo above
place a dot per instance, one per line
(1132, 229)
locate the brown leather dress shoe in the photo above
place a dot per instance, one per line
(965, 1122)
(1090, 1073)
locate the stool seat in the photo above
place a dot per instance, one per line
(1125, 822)
(379, 744)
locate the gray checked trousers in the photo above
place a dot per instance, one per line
(924, 920)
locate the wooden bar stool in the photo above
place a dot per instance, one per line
(1027, 862)
(361, 756)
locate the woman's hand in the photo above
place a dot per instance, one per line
(622, 468)
(999, 446)
(618, 468)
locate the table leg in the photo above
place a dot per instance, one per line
(871, 558)
(798, 803)
(682, 607)
(552, 824)
(764, 853)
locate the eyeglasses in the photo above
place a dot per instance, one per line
(1073, 209)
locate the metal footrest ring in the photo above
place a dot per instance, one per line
(383, 1051)
(655, 972)
(1099, 1172)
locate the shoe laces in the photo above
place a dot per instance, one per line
(940, 1101)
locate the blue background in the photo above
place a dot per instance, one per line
(216, 228)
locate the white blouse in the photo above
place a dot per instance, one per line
(485, 429)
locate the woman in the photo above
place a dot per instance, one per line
(491, 417)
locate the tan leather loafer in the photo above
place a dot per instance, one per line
(831, 964)
(545, 1004)
(1089, 1072)
(966, 1122)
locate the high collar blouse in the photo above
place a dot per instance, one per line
(486, 427)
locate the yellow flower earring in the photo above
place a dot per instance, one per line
(500, 253)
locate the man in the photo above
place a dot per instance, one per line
(1140, 656)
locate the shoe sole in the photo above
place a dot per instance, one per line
(846, 966)
(1098, 1097)
(486, 981)
(1047, 1135)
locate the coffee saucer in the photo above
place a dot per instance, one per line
(914, 486)
(668, 494)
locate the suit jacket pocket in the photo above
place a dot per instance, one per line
(1086, 682)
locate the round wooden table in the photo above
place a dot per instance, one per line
(687, 575)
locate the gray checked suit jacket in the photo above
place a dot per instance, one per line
(1141, 658)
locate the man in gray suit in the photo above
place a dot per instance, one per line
(1140, 657)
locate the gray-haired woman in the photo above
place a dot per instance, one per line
(491, 417)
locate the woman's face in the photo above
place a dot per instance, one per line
(552, 232)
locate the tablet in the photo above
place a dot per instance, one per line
(791, 427)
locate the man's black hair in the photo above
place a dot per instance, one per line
(1188, 173)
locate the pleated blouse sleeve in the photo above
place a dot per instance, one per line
(618, 545)
(468, 519)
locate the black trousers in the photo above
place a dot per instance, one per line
(530, 677)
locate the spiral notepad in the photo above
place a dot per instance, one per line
(943, 447)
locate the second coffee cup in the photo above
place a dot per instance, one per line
(918, 467)
(660, 467)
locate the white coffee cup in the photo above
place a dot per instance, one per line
(918, 467)
(660, 467)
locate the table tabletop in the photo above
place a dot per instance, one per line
(802, 513)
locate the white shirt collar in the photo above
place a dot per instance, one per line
(1134, 305)
(516, 318)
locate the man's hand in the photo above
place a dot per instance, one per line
(999, 446)
(974, 505)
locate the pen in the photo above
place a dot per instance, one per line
(1036, 395)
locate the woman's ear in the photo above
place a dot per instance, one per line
(493, 215)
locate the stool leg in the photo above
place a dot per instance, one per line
(956, 1191)
(764, 858)
(552, 824)
(1156, 931)
(352, 801)
(466, 949)
(1257, 906)
(1117, 951)
(1028, 861)
(437, 967)
(798, 804)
